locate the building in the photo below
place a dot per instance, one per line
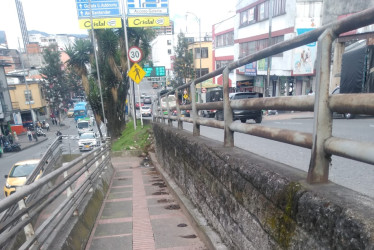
(22, 23)
(6, 111)
(202, 57)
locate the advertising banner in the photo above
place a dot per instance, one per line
(250, 69)
(304, 56)
(148, 21)
(101, 23)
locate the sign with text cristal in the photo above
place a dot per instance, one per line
(148, 21)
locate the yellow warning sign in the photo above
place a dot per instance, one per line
(185, 96)
(101, 23)
(136, 73)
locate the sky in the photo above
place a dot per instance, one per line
(60, 16)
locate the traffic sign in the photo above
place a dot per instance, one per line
(185, 96)
(99, 8)
(135, 54)
(136, 73)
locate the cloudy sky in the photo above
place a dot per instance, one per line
(60, 16)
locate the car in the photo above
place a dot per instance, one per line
(84, 126)
(242, 114)
(137, 104)
(88, 141)
(18, 175)
(146, 111)
(147, 100)
(345, 115)
(70, 113)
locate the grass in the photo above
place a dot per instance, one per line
(133, 139)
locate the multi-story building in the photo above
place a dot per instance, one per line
(291, 72)
(6, 110)
(202, 56)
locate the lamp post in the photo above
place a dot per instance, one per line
(199, 20)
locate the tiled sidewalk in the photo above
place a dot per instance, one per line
(139, 212)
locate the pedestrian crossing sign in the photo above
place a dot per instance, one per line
(136, 73)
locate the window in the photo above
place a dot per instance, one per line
(279, 7)
(203, 54)
(260, 12)
(169, 42)
(223, 63)
(169, 51)
(247, 17)
(254, 46)
(28, 96)
(203, 72)
(225, 39)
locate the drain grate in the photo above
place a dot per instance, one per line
(173, 207)
(191, 236)
(182, 225)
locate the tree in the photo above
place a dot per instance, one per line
(183, 63)
(54, 85)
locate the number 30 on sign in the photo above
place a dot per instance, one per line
(135, 54)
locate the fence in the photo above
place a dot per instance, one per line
(57, 191)
(321, 142)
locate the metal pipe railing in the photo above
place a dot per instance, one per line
(321, 142)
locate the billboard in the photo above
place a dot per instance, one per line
(304, 56)
(147, 7)
(148, 21)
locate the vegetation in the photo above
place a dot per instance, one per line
(133, 139)
(183, 63)
(112, 64)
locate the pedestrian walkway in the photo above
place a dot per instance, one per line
(140, 213)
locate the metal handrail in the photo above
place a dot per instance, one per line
(321, 142)
(12, 224)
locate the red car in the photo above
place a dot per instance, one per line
(137, 105)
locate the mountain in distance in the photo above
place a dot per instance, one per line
(33, 32)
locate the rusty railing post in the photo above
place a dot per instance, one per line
(196, 127)
(322, 129)
(180, 123)
(227, 111)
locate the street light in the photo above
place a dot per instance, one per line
(199, 20)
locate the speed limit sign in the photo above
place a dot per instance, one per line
(135, 54)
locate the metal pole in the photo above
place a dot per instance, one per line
(140, 107)
(132, 89)
(27, 86)
(97, 67)
(227, 110)
(267, 83)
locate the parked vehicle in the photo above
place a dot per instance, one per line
(212, 95)
(242, 114)
(18, 175)
(87, 141)
(155, 85)
(14, 147)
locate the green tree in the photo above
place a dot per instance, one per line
(183, 63)
(55, 88)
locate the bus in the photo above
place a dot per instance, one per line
(80, 111)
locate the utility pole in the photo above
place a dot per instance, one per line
(28, 99)
(267, 83)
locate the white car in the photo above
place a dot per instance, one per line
(84, 126)
(88, 141)
(146, 111)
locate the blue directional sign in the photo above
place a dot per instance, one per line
(99, 8)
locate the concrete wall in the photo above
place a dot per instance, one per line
(255, 203)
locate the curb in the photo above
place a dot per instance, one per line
(210, 238)
(35, 143)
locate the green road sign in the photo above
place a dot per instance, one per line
(154, 71)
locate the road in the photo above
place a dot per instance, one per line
(351, 174)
